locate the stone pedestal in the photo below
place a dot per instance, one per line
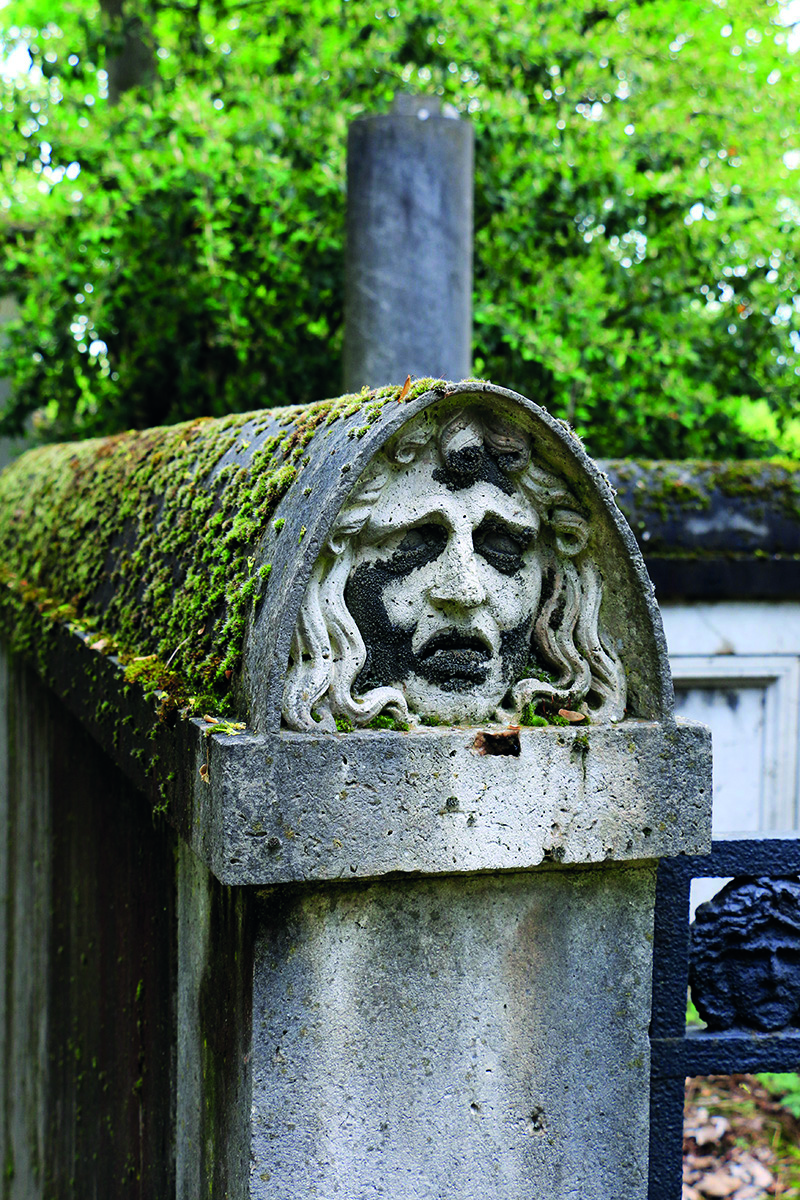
(466, 1038)
(387, 932)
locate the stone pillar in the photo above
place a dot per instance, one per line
(408, 281)
(410, 913)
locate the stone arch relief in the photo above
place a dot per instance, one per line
(457, 586)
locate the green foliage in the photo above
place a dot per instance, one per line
(785, 1087)
(693, 1018)
(636, 211)
(529, 716)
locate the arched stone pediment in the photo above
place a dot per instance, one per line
(458, 561)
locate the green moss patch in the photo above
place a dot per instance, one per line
(146, 540)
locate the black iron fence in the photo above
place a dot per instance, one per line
(743, 953)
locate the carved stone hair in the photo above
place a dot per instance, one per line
(744, 911)
(328, 652)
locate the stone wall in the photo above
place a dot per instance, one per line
(339, 755)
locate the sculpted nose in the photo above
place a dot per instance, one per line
(457, 580)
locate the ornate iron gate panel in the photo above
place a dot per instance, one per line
(747, 958)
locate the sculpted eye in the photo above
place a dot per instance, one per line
(421, 536)
(502, 548)
(419, 545)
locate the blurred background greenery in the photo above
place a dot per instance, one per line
(173, 197)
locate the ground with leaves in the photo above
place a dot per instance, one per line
(741, 1138)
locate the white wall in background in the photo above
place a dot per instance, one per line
(736, 667)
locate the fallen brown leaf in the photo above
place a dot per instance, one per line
(572, 717)
(718, 1184)
(713, 1131)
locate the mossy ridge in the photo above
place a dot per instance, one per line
(663, 486)
(147, 538)
(668, 491)
(132, 723)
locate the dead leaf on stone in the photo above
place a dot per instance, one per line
(572, 717)
(405, 390)
(101, 645)
(204, 774)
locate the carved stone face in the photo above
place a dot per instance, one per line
(456, 584)
(445, 587)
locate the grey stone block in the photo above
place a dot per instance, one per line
(298, 807)
(455, 1038)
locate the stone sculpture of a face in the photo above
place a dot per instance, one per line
(445, 586)
(745, 956)
(454, 588)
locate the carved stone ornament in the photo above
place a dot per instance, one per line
(745, 956)
(458, 585)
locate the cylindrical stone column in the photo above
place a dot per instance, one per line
(408, 287)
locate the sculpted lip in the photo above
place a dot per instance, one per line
(451, 654)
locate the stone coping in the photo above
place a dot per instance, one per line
(268, 809)
(714, 530)
(187, 550)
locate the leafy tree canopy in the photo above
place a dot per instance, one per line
(177, 246)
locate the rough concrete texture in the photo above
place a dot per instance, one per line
(214, 999)
(408, 289)
(25, 869)
(373, 802)
(472, 1038)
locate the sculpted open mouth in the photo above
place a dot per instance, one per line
(454, 657)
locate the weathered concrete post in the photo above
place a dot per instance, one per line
(408, 281)
(413, 897)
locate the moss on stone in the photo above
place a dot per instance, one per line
(146, 540)
(657, 497)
